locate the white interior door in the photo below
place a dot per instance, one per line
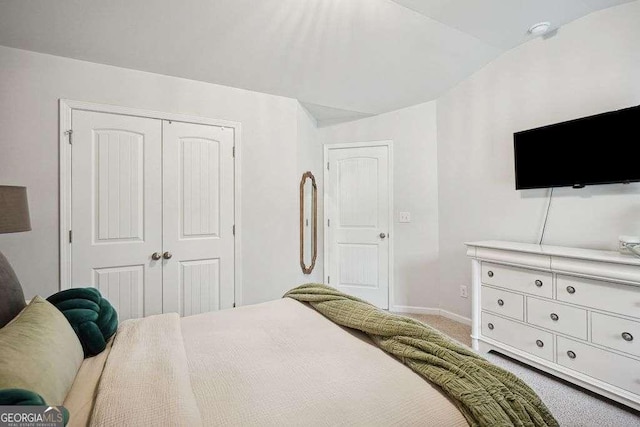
(117, 209)
(358, 214)
(198, 217)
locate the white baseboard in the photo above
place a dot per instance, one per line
(455, 317)
(434, 311)
(414, 310)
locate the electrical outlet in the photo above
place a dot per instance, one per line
(463, 291)
(404, 217)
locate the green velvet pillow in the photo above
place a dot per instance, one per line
(40, 352)
(91, 316)
(18, 396)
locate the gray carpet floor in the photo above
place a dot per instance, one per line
(571, 405)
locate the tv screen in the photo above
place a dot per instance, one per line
(601, 149)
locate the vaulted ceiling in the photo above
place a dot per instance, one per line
(344, 58)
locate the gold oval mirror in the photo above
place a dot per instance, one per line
(308, 222)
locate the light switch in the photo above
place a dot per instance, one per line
(404, 217)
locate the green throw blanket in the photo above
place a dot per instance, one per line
(485, 394)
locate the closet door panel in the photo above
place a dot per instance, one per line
(198, 212)
(117, 209)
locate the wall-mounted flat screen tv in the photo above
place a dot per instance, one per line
(601, 149)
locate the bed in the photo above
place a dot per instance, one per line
(282, 362)
(276, 363)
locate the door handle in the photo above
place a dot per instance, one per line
(156, 256)
(167, 255)
(382, 235)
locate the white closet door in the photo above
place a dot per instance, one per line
(117, 209)
(358, 199)
(198, 239)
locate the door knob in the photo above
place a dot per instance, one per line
(382, 235)
(167, 255)
(156, 256)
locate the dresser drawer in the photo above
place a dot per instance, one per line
(526, 338)
(620, 299)
(609, 367)
(617, 333)
(518, 279)
(503, 302)
(557, 317)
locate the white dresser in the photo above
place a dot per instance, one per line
(574, 313)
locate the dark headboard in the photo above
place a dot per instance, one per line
(11, 295)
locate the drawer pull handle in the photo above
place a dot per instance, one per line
(490, 273)
(500, 302)
(490, 326)
(571, 354)
(539, 343)
(571, 289)
(539, 283)
(627, 336)
(554, 317)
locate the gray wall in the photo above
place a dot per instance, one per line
(590, 66)
(30, 86)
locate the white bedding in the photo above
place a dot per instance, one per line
(277, 363)
(80, 399)
(146, 380)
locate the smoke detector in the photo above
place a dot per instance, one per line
(539, 29)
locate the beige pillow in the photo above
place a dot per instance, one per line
(40, 352)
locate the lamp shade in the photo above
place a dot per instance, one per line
(14, 209)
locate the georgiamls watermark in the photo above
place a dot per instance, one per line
(31, 416)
